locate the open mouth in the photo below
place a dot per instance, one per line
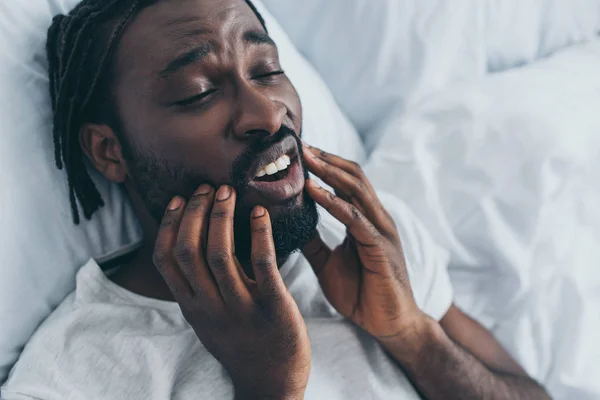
(277, 175)
(274, 171)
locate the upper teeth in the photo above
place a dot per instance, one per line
(279, 165)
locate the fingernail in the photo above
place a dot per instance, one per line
(224, 193)
(203, 190)
(258, 212)
(175, 204)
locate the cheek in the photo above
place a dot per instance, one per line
(196, 150)
(292, 101)
(185, 143)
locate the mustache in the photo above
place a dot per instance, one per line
(243, 162)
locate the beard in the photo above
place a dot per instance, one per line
(157, 181)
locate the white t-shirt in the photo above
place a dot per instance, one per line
(104, 342)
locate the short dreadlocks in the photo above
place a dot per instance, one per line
(80, 49)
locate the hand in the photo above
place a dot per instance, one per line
(253, 328)
(365, 278)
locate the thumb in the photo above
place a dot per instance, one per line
(317, 253)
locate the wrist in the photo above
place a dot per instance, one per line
(289, 388)
(414, 341)
(269, 383)
(242, 394)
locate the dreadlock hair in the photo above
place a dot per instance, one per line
(81, 49)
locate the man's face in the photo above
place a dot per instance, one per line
(201, 99)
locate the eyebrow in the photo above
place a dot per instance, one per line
(258, 38)
(195, 55)
(202, 51)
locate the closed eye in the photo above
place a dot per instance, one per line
(195, 99)
(269, 75)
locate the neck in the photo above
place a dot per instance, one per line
(140, 276)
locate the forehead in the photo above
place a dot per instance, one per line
(168, 27)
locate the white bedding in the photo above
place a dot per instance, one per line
(504, 171)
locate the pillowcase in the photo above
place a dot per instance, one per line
(40, 248)
(377, 55)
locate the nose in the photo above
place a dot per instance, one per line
(257, 114)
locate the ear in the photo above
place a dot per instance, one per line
(101, 145)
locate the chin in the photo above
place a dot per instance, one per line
(294, 225)
(281, 210)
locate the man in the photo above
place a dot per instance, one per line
(184, 103)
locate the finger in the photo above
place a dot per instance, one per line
(348, 166)
(191, 242)
(352, 188)
(163, 257)
(317, 253)
(345, 185)
(348, 199)
(264, 260)
(359, 227)
(219, 249)
(320, 163)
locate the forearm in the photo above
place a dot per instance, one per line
(440, 369)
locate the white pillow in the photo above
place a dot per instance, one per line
(40, 248)
(503, 171)
(376, 55)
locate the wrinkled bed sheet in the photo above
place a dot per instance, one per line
(504, 171)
